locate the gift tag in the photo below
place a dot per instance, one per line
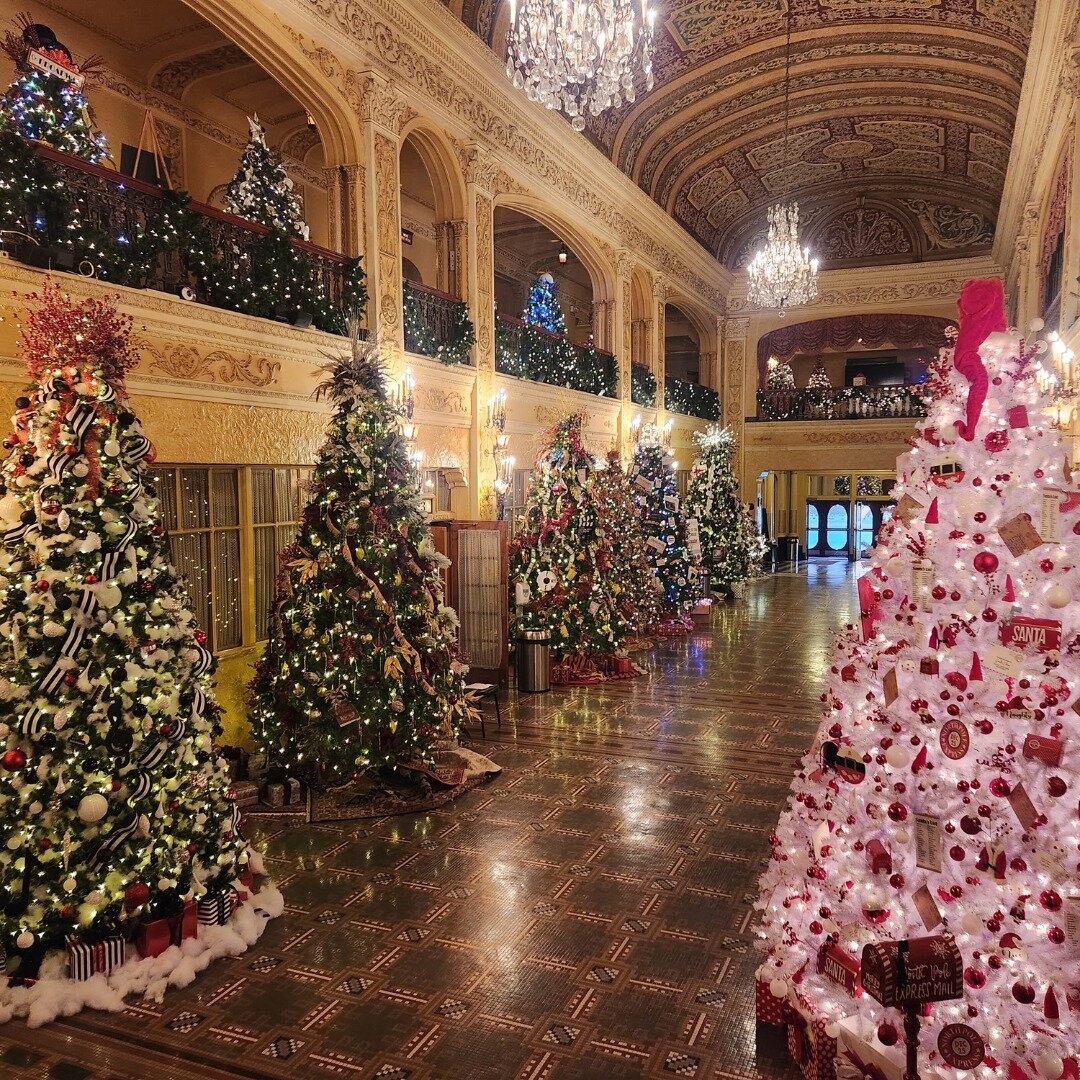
(1050, 517)
(922, 578)
(1022, 806)
(1003, 661)
(1019, 535)
(926, 906)
(889, 685)
(905, 509)
(928, 842)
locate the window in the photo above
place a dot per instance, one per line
(519, 496)
(278, 496)
(836, 527)
(813, 527)
(435, 488)
(200, 510)
(864, 528)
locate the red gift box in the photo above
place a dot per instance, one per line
(1045, 749)
(154, 937)
(810, 1048)
(1018, 416)
(769, 1008)
(246, 885)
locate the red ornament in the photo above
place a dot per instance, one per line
(986, 562)
(200, 636)
(1023, 993)
(13, 760)
(1050, 900)
(996, 441)
(42, 585)
(135, 895)
(887, 1033)
(1056, 787)
(975, 977)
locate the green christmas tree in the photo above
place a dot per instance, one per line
(731, 546)
(636, 587)
(360, 670)
(46, 103)
(262, 191)
(114, 801)
(560, 566)
(663, 523)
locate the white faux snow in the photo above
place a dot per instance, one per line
(54, 994)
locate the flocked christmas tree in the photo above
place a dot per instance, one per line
(46, 103)
(664, 525)
(262, 191)
(560, 567)
(940, 797)
(731, 546)
(819, 377)
(360, 670)
(639, 592)
(778, 375)
(114, 802)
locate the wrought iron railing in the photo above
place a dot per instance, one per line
(530, 352)
(691, 399)
(841, 403)
(436, 324)
(64, 213)
(642, 386)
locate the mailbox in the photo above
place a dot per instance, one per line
(913, 972)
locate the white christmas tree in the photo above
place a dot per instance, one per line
(262, 190)
(778, 375)
(940, 795)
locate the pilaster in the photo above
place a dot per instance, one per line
(733, 363)
(621, 345)
(656, 343)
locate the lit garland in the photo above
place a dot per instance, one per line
(642, 386)
(115, 802)
(691, 399)
(849, 402)
(360, 670)
(421, 338)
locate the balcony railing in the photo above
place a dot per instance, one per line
(841, 403)
(436, 324)
(691, 399)
(642, 386)
(63, 213)
(530, 352)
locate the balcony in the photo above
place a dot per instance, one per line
(642, 386)
(59, 212)
(841, 403)
(691, 399)
(530, 352)
(436, 324)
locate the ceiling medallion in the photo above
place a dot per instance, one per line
(782, 274)
(579, 56)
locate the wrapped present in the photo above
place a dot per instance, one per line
(292, 791)
(274, 795)
(810, 1048)
(247, 793)
(244, 885)
(100, 957)
(153, 937)
(237, 758)
(769, 1008)
(216, 908)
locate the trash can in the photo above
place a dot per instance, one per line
(534, 661)
(772, 558)
(790, 551)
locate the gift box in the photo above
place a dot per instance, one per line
(292, 790)
(244, 885)
(100, 957)
(622, 665)
(769, 1008)
(216, 908)
(153, 937)
(1043, 748)
(860, 1057)
(274, 795)
(810, 1048)
(247, 793)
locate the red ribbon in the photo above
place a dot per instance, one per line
(868, 1069)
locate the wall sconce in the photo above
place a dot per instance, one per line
(666, 438)
(563, 254)
(405, 397)
(635, 429)
(504, 463)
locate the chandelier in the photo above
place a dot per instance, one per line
(579, 56)
(782, 274)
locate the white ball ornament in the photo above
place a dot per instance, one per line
(778, 988)
(11, 509)
(24, 940)
(1058, 596)
(93, 808)
(1050, 1065)
(897, 756)
(1036, 325)
(971, 923)
(112, 448)
(69, 884)
(109, 595)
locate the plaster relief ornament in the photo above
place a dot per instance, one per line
(960, 708)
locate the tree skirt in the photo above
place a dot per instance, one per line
(673, 627)
(575, 671)
(54, 994)
(454, 771)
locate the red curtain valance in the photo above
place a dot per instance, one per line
(841, 332)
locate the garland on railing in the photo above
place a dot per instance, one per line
(158, 241)
(421, 337)
(530, 352)
(691, 399)
(848, 402)
(642, 386)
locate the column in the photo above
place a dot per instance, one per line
(1026, 267)
(622, 346)
(656, 342)
(442, 256)
(601, 325)
(733, 362)
(458, 245)
(478, 261)
(381, 114)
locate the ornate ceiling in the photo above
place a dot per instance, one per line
(901, 121)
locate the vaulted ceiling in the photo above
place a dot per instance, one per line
(901, 119)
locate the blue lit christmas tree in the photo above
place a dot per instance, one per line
(547, 353)
(542, 308)
(46, 103)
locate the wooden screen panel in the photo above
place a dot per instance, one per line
(478, 591)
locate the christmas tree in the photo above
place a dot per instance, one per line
(547, 354)
(819, 377)
(638, 588)
(114, 801)
(939, 798)
(731, 546)
(560, 566)
(778, 375)
(360, 669)
(664, 525)
(262, 191)
(45, 103)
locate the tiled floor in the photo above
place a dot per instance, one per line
(585, 915)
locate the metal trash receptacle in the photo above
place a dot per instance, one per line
(533, 661)
(790, 551)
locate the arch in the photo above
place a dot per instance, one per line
(682, 343)
(641, 303)
(440, 161)
(264, 39)
(840, 332)
(410, 272)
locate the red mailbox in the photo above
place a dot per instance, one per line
(913, 972)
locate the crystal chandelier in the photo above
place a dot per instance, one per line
(579, 55)
(782, 274)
